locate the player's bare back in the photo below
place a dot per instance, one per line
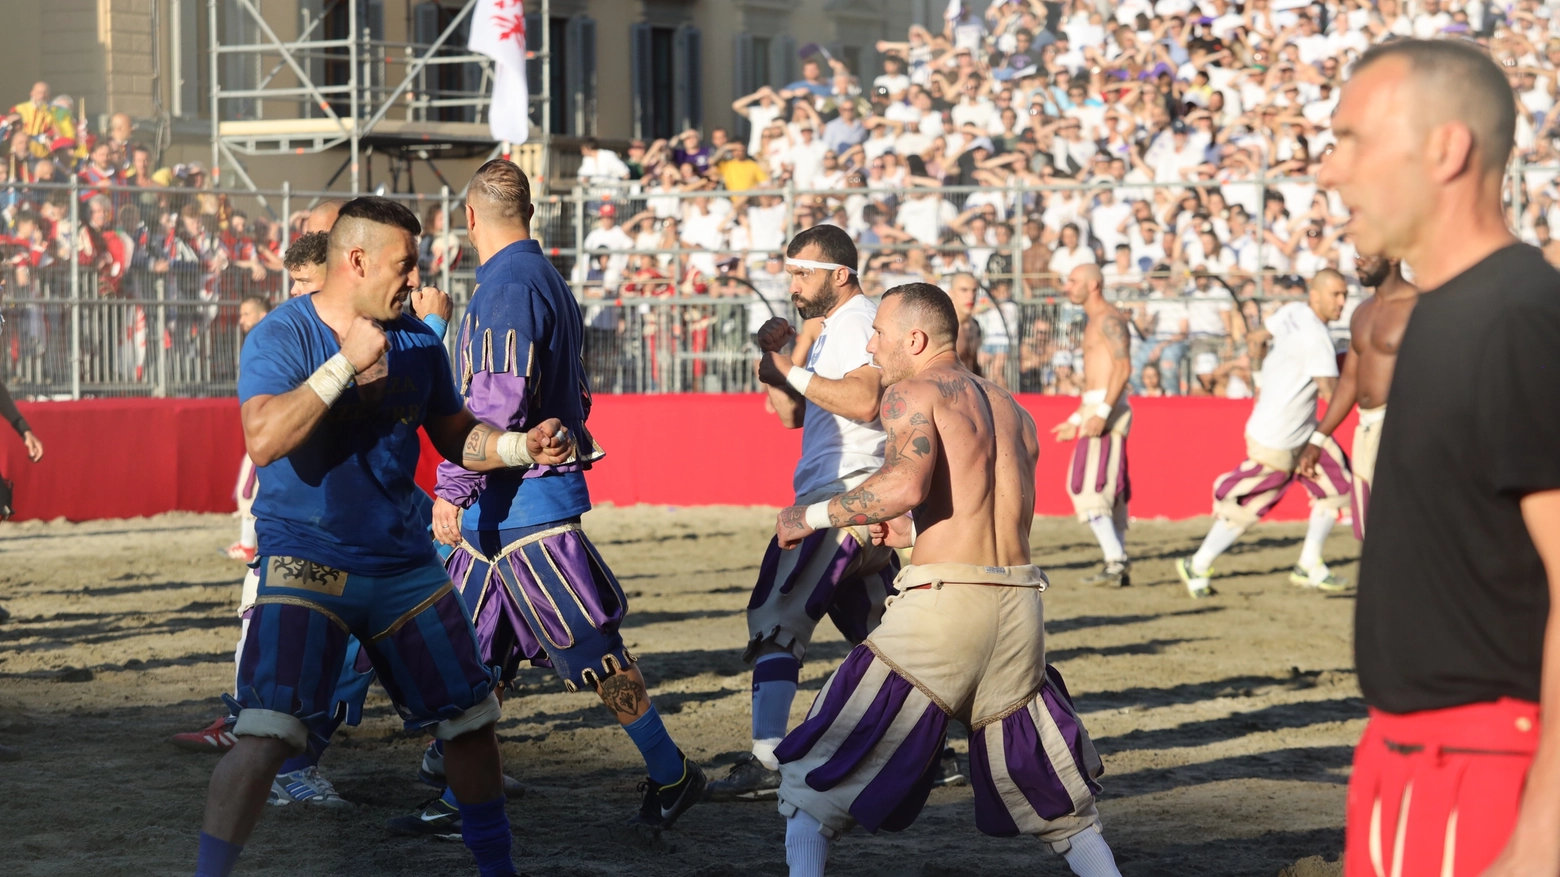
(982, 495)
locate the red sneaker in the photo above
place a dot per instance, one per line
(213, 738)
(239, 552)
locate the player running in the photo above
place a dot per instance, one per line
(1301, 367)
(1097, 480)
(963, 640)
(1375, 331)
(333, 388)
(838, 571)
(526, 571)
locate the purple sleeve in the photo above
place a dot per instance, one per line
(499, 400)
(458, 486)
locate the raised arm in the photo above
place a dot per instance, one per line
(855, 396)
(910, 451)
(275, 425)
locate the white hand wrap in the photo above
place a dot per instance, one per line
(330, 380)
(1318, 438)
(512, 449)
(1075, 419)
(799, 378)
(818, 516)
(1102, 411)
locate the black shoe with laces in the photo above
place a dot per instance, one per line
(948, 772)
(748, 780)
(663, 804)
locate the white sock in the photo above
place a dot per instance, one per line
(1322, 521)
(1105, 531)
(1089, 855)
(806, 849)
(1119, 519)
(1220, 537)
(246, 533)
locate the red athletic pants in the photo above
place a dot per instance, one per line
(1435, 793)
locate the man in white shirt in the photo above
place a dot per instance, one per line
(1300, 368)
(1108, 220)
(606, 236)
(973, 109)
(598, 166)
(834, 400)
(805, 158)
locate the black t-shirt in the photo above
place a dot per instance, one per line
(1453, 596)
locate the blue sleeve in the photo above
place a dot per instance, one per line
(272, 361)
(443, 398)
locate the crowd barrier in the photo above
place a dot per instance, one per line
(119, 458)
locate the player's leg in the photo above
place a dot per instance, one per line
(1096, 483)
(1240, 498)
(244, 492)
(286, 678)
(424, 648)
(837, 572)
(1329, 492)
(571, 604)
(298, 780)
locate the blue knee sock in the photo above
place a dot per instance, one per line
(311, 756)
(217, 857)
(485, 830)
(663, 760)
(449, 797)
(774, 687)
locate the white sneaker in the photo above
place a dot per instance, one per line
(305, 786)
(1197, 586)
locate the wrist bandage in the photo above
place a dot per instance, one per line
(514, 451)
(330, 380)
(1075, 419)
(799, 378)
(1318, 438)
(1102, 411)
(818, 516)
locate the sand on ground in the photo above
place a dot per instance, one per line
(1226, 725)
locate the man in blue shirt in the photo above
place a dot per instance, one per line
(332, 388)
(535, 585)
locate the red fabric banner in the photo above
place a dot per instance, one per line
(116, 458)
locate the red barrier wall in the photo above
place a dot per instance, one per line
(115, 458)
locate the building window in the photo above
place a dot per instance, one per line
(667, 87)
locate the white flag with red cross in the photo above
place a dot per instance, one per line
(498, 31)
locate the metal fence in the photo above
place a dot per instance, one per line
(137, 291)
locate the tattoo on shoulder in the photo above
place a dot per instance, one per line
(475, 449)
(1114, 328)
(949, 386)
(893, 405)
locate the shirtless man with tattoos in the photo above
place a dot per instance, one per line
(1097, 480)
(1376, 330)
(964, 638)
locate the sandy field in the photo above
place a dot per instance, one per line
(1225, 725)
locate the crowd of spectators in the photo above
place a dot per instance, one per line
(1173, 143)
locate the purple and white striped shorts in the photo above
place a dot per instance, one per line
(1244, 495)
(870, 747)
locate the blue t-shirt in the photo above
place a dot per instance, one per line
(346, 497)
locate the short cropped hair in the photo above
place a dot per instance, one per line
(834, 244)
(1327, 274)
(259, 301)
(307, 249)
(380, 211)
(500, 191)
(1465, 84)
(928, 308)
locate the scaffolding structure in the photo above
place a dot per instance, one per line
(317, 93)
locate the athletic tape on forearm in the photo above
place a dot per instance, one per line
(799, 378)
(1103, 410)
(818, 516)
(330, 380)
(514, 451)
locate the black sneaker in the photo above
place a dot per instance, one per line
(437, 818)
(663, 804)
(948, 772)
(748, 780)
(431, 772)
(1116, 574)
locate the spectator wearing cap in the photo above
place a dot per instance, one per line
(610, 238)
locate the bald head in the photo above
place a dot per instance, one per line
(1453, 81)
(1084, 281)
(323, 216)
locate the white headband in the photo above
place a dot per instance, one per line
(821, 266)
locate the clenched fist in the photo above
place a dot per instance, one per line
(364, 343)
(550, 443)
(431, 300)
(774, 334)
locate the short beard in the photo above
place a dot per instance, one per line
(1377, 277)
(827, 298)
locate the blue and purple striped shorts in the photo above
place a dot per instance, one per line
(413, 628)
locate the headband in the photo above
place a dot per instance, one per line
(821, 266)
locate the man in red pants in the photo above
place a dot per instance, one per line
(1458, 772)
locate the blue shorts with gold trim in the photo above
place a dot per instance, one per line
(413, 627)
